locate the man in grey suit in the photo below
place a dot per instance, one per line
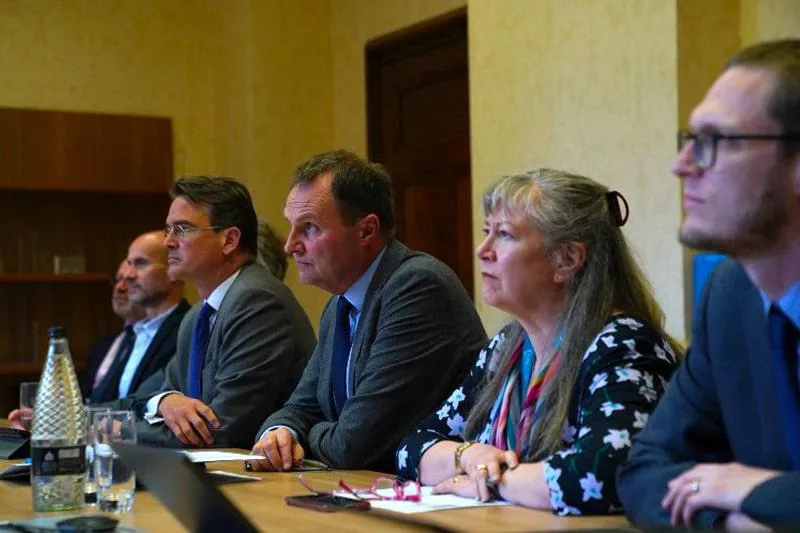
(243, 348)
(394, 339)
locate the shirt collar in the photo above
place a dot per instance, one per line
(151, 325)
(358, 290)
(217, 295)
(789, 303)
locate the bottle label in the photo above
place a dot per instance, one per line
(59, 461)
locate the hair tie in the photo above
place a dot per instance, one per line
(613, 199)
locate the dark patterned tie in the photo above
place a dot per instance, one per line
(341, 353)
(108, 389)
(783, 337)
(198, 353)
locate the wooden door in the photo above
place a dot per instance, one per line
(418, 121)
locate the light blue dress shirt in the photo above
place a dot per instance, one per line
(145, 331)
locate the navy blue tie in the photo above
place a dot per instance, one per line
(196, 357)
(783, 347)
(341, 353)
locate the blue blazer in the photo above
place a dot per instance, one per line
(719, 407)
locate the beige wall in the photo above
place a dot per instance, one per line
(769, 19)
(255, 86)
(136, 56)
(552, 86)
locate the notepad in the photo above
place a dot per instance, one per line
(429, 502)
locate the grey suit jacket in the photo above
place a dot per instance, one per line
(259, 344)
(417, 333)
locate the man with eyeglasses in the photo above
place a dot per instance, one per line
(723, 447)
(242, 349)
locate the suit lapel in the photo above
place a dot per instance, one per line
(395, 254)
(754, 324)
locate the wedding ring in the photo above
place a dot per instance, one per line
(456, 479)
(695, 486)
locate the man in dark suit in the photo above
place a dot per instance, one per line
(104, 350)
(240, 351)
(722, 449)
(148, 344)
(394, 339)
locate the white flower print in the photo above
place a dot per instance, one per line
(592, 489)
(551, 476)
(566, 453)
(663, 355)
(444, 412)
(457, 397)
(640, 419)
(609, 341)
(590, 351)
(402, 456)
(456, 425)
(426, 446)
(627, 374)
(618, 438)
(584, 431)
(631, 323)
(568, 432)
(608, 408)
(650, 394)
(598, 381)
(609, 328)
(481, 359)
(648, 379)
(556, 499)
(631, 345)
(570, 511)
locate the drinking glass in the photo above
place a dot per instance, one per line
(90, 488)
(116, 482)
(27, 400)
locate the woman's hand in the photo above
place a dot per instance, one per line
(483, 463)
(458, 485)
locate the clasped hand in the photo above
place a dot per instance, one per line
(189, 419)
(482, 465)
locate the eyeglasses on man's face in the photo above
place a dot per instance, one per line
(181, 231)
(704, 145)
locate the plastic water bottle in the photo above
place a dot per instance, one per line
(58, 435)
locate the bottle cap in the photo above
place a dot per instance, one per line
(57, 332)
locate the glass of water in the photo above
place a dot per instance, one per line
(116, 483)
(90, 488)
(27, 400)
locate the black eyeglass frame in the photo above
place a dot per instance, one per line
(698, 148)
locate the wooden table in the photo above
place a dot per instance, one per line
(263, 503)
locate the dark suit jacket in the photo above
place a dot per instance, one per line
(259, 344)
(97, 353)
(720, 406)
(417, 333)
(159, 353)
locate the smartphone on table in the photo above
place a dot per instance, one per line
(326, 503)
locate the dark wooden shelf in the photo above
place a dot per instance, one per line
(57, 278)
(20, 369)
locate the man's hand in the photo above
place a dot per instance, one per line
(279, 448)
(21, 418)
(711, 485)
(189, 419)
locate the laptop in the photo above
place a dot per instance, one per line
(184, 489)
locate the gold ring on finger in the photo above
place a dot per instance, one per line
(456, 480)
(482, 468)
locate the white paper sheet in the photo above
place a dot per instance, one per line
(430, 502)
(207, 456)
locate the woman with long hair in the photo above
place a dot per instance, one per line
(549, 407)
